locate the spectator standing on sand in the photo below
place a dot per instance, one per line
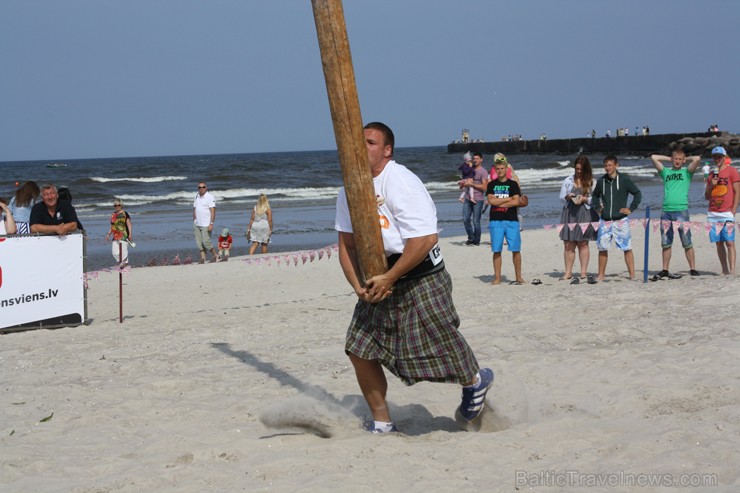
(259, 230)
(676, 183)
(122, 232)
(504, 196)
(610, 197)
(473, 208)
(204, 215)
(576, 194)
(723, 194)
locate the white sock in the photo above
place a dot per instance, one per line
(475, 382)
(384, 426)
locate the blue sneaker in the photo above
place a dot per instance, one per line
(370, 426)
(473, 398)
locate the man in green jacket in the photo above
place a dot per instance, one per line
(610, 198)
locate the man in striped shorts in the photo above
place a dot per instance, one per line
(405, 319)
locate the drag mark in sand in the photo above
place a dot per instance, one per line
(315, 410)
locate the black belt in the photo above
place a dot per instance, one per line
(424, 268)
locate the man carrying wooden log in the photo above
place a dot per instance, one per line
(405, 319)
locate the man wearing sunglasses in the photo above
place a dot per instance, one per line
(204, 215)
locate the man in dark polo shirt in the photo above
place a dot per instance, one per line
(51, 215)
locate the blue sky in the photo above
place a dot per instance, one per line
(108, 78)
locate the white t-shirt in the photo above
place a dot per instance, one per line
(202, 207)
(405, 209)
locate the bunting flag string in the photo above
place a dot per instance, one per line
(300, 257)
(656, 224)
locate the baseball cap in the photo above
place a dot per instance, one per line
(719, 150)
(225, 232)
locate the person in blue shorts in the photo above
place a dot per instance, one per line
(503, 196)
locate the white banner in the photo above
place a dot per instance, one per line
(41, 280)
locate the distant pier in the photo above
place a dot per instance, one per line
(633, 145)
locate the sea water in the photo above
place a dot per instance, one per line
(302, 187)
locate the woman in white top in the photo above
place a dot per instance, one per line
(576, 197)
(260, 225)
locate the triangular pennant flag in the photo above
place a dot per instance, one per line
(548, 226)
(595, 225)
(644, 222)
(686, 226)
(730, 228)
(718, 227)
(560, 227)
(707, 227)
(665, 225)
(584, 227)
(571, 226)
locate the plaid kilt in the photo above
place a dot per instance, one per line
(413, 333)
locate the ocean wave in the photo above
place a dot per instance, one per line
(152, 179)
(234, 195)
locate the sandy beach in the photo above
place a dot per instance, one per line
(232, 377)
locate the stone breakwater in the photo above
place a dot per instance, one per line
(640, 145)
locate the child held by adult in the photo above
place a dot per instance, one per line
(468, 173)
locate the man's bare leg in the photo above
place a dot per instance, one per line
(496, 268)
(731, 256)
(667, 258)
(603, 258)
(629, 259)
(517, 258)
(722, 254)
(374, 386)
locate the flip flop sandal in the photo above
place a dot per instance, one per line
(674, 276)
(515, 283)
(536, 282)
(656, 277)
(591, 280)
(575, 281)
